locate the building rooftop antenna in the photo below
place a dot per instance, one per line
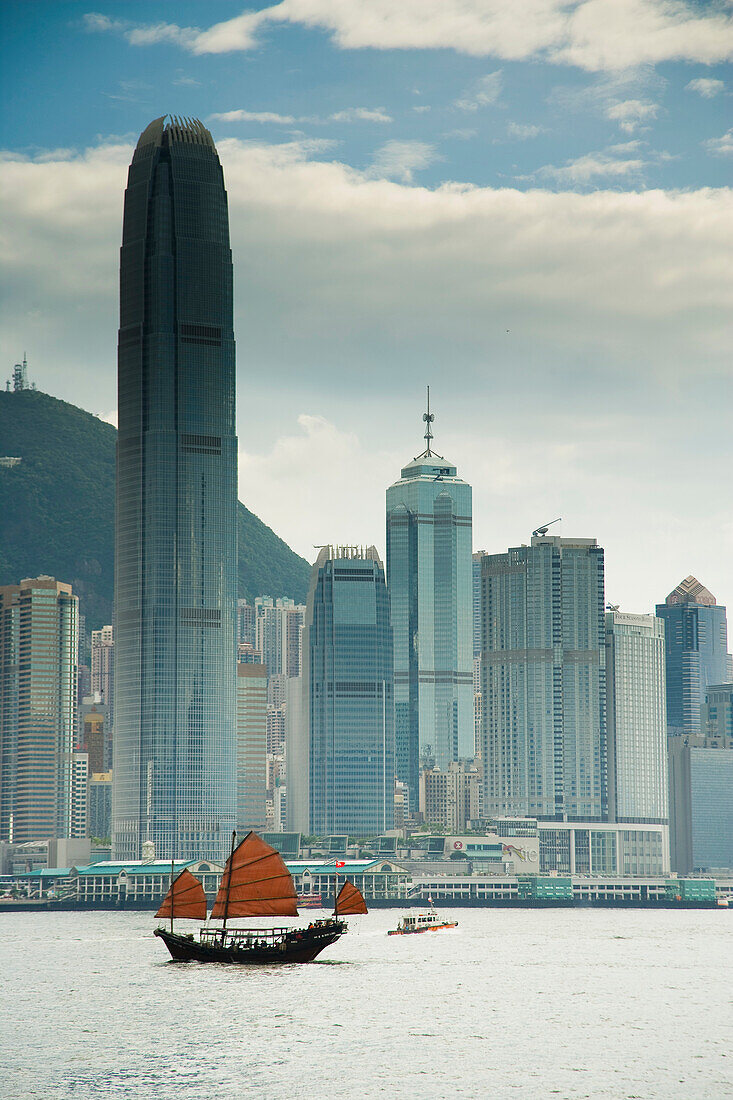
(428, 417)
(543, 529)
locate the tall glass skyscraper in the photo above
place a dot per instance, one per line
(175, 571)
(637, 727)
(543, 681)
(696, 652)
(429, 572)
(348, 703)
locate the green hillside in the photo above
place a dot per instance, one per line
(57, 509)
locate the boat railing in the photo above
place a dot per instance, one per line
(244, 933)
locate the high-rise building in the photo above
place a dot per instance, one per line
(429, 570)
(717, 712)
(450, 798)
(79, 826)
(696, 652)
(38, 655)
(348, 700)
(637, 728)
(251, 746)
(246, 627)
(543, 681)
(100, 805)
(279, 625)
(700, 802)
(103, 668)
(176, 561)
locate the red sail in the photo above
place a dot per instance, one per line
(186, 898)
(349, 901)
(261, 885)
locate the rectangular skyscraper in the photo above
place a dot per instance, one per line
(175, 573)
(429, 570)
(347, 700)
(543, 681)
(637, 728)
(39, 622)
(696, 652)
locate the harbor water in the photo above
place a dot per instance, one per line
(591, 1003)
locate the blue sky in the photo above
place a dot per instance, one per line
(525, 205)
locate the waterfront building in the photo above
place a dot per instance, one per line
(449, 797)
(429, 569)
(176, 550)
(251, 746)
(701, 802)
(696, 648)
(543, 681)
(603, 848)
(637, 739)
(347, 707)
(38, 655)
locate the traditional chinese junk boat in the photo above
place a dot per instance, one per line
(255, 883)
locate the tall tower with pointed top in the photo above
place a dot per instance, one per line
(429, 576)
(175, 552)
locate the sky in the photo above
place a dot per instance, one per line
(526, 206)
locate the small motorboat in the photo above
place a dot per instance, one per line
(413, 924)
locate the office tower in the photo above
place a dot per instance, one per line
(92, 738)
(476, 589)
(38, 653)
(429, 569)
(103, 668)
(636, 719)
(717, 711)
(100, 805)
(696, 652)
(543, 681)
(700, 802)
(348, 708)
(176, 551)
(251, 746)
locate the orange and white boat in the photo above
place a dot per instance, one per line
(413, 924)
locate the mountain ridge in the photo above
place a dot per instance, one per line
(57, 509)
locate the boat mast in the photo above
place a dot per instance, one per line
(229, 881)
(171, 896)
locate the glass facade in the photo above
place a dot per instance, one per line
(175, 555)
(637, 737)
(429, 569)
(696, 647)
(347, 657)
(39, 625)
(543, 681)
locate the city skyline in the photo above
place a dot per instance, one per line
(568, 308)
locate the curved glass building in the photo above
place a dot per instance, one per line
(175, 553)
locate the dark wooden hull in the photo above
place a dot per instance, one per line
(301, 945)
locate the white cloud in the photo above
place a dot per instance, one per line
(523, 131)
(361, 114)
(253, 116)
(484, 92)
(632, 113)
(721, 146)
(706, 87)
(353, 291)
(401, 159)
(597, 35)
(606, 164)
